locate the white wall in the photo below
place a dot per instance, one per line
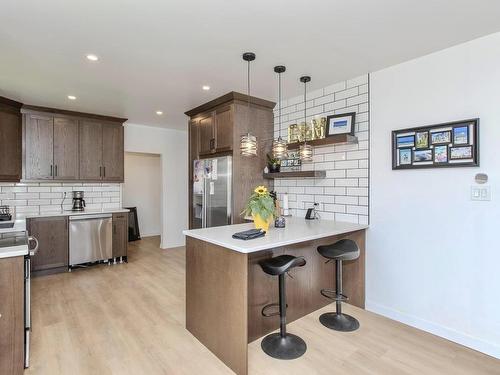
(172, 146)
(433, 255)
(142, 189)
(343, 194)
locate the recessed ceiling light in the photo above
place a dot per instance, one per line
(71, 97)
(159, 113)
(205, 87)
(92, 57)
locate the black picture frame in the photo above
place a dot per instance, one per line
(350, 131)
(467, 138)
(471, 148)
(473, 140)
(427, 144)
(448, 141)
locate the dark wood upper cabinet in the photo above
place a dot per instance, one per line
(120, 234)
(206, 133)
(90, 140)
(39, 147)
(71, 146)
(10, 141)
(66, 159)
(53, 242)
(112, 151)
(224, 129)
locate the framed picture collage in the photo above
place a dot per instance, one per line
(452, 144)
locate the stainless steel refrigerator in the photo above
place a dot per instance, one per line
(212, 185)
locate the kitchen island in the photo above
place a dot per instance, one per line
(226, 288)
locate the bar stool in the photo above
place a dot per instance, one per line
(339, 251)
(282, 345)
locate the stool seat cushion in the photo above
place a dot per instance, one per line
(281, 264)
(341, 250)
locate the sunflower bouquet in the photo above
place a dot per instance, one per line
(260, 206)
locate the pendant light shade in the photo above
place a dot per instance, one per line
(279, 148)
(305, 150)
(248, 142)
(248, 145)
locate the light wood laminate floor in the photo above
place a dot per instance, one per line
(129, 319)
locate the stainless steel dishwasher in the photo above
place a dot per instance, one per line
(90, 238)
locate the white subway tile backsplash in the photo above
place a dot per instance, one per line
(32, 198)
(340, 86)
(343, 194)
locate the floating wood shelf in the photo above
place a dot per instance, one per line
(333, 140)
(295, 174)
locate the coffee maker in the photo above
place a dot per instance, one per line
(78, 201)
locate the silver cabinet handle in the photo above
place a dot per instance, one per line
(51, 169)
(55, 173)
(35, 249)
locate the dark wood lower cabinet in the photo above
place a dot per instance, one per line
(12, 316)
(53, 251)
(120, 234)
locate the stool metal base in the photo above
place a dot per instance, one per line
(339, 322)
(288, 347)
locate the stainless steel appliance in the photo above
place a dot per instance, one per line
(78, 201)
(212, 187)
(90, 238)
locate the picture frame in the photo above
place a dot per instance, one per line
(405, 156)
(461, 135)
(461, 152)
(441, 154)
(420, 156)
(422, 140)
(340, 124)
(445, 145)
(404, 141)
(441, 137)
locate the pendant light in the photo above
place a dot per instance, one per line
(248, 142)
(305, 150)
(279, 148)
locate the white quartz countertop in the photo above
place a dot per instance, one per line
(75, 213)
(13, 251)
(296, 230)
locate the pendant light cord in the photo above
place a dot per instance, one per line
(279, 108)
(248, 97)
(305, 112)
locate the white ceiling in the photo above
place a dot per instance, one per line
(156, 54)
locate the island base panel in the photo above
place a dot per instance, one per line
(216, 301)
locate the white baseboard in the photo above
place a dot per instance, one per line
(150, 234)
(461, 338)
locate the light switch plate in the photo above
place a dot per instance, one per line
(480, 193)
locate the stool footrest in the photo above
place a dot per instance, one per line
(332, 294)
(265, 310)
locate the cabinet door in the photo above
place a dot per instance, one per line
(52, 235)
(224, 129)
(206, 134)
(10, 145)
(90, 142)
(39, 147)
(12, 315)
(120, 234)
(65, 149)
(112, 152)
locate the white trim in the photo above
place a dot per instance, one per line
(461, 338)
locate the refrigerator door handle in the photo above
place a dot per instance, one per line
(204, 204)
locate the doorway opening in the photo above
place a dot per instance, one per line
(142, 188)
